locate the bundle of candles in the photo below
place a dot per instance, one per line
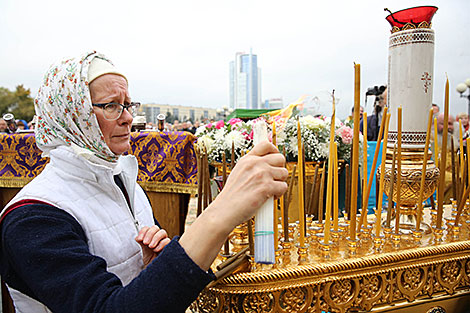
(312, 240)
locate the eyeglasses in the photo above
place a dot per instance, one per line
(112, 111)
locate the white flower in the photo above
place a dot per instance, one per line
(219, 134)
(200, 130)
(205, 141)
(236, 137)
(312, 122)
(324, 149)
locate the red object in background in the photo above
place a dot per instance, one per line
(414, 16)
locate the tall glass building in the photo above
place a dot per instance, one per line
(245, 82)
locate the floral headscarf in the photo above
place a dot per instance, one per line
(65, 112)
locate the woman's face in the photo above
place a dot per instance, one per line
(464, 120)
(112, 88)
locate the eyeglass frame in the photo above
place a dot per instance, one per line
(124, 107)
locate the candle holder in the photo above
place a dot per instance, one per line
(433, 218)
(239, 239)
(277, 256)
(378, 242)
(344, 228)
(335, 235)
(387, 232)
(438, 234)
(449, 221)
(456, 231)
(286, 247)
(325, 248)
(417, 235)
(366, 232)
(396, 238)
(313, 230)
(302, 253)
(292, 230)
(309, 220)
(318, 224)
(286, 252)
(352, 246)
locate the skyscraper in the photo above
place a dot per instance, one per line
(245, 82)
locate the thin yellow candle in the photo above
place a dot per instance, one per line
(442, 163)
(328, 196)
(335, 186)
(378, 213)
(397, 213)
(364, 172)
(436, 144)
(423, 172)
(330, 174)
(300, 167)
(461, 151)
(355, 156)
(436, 152)
(276, 201)
(374, 163)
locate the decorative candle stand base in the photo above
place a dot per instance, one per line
(378, 242)
(438, 234)
(277, 256)
(433, 218)
(325, 248)
(239, 239)
(456, 231)
(366, 231)
(344, 228)
(335, 235)
(302, 253)
(450, 221)
(417, 235)
(352, 246)
(396, 238)
(387, 232)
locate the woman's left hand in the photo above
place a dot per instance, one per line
(152, 240)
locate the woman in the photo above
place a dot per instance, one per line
(81, 236)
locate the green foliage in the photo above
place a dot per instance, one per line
(19, 102)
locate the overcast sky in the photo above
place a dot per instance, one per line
(178, 52)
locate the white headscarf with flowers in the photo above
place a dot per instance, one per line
(65, 113)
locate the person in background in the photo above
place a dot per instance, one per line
(21, 124)
(81, 236)
(435, 109)
(194, 127)
(3, 126)
(463, 117)
(176, 125)
(350, 119)
(375, 119)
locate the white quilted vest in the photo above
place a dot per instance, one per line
(87, 192)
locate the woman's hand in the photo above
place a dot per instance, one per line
(257, 176)
(152, 240)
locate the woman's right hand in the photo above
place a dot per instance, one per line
(258, 175)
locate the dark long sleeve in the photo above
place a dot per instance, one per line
(44, 254)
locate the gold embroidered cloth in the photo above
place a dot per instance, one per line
(167, 161)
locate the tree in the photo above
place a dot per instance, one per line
(18, 102)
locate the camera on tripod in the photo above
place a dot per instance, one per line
(375, 91)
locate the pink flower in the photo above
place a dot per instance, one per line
(346, 134)
(209, 125)
(219, 124)
(250, 136)
(234, 121)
